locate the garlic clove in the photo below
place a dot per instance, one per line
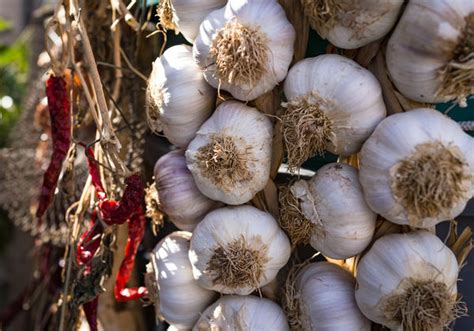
(178, 98)
(241, 55)
(412, 151)
(333, 104)
(178, 195)
(352, 24)
(323, 299)
(429, 55)
(179, 300)
(408, 281)
(250, 313)
(230, 157)
(236, 250)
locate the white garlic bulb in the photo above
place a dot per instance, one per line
(249, 313)
(178, 99)
(352, 24)
(178, 195)
(230, 157)
(430, 55)
(329, 211)
(179, 300)
(236, 250)
(185, 16)
(246, 47)
(417, 168)
(333, 104)
(408, 282)
(323, 300)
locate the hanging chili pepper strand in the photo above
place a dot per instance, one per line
(129, 210)
(136, 231)
(60, 117)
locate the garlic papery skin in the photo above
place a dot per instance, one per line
(417, 168)
(236, 250)
(249, 313)
(230, 157)
(179, 298)
(178, 195)
(430, 55)
(332, 210)
(408, 282)
(352, 24)
(185, 16)
(322, 299)
(178, 98)
(333, 104)
(246, 47)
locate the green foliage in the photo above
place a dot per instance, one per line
(4, 25)
(13, 75)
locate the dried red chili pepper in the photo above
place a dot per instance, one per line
(113, 212)
(95, 174)
(60, 117)
(90, 310)
(136, 230)
(89, 242)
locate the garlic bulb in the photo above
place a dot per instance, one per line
(185, 16)
(352, 24)
(249, 313)
(230, 157)
(329, 211)
(333, 104)
(178, 99)
(179, 300)
(417, 168)
(430, 55)
(408, 282)
(246, 47)
(322, 299)
(178, 195)
(236, 250)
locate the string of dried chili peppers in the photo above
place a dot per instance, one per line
(113, 212)
(60, 117)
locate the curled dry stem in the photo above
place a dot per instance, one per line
(223, 162)
(240, 53)
(292, 220)
(423, 305)
(458, 75)
(238, 263)
(307, 130)
(432, 179)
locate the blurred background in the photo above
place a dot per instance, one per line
(22, 66)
